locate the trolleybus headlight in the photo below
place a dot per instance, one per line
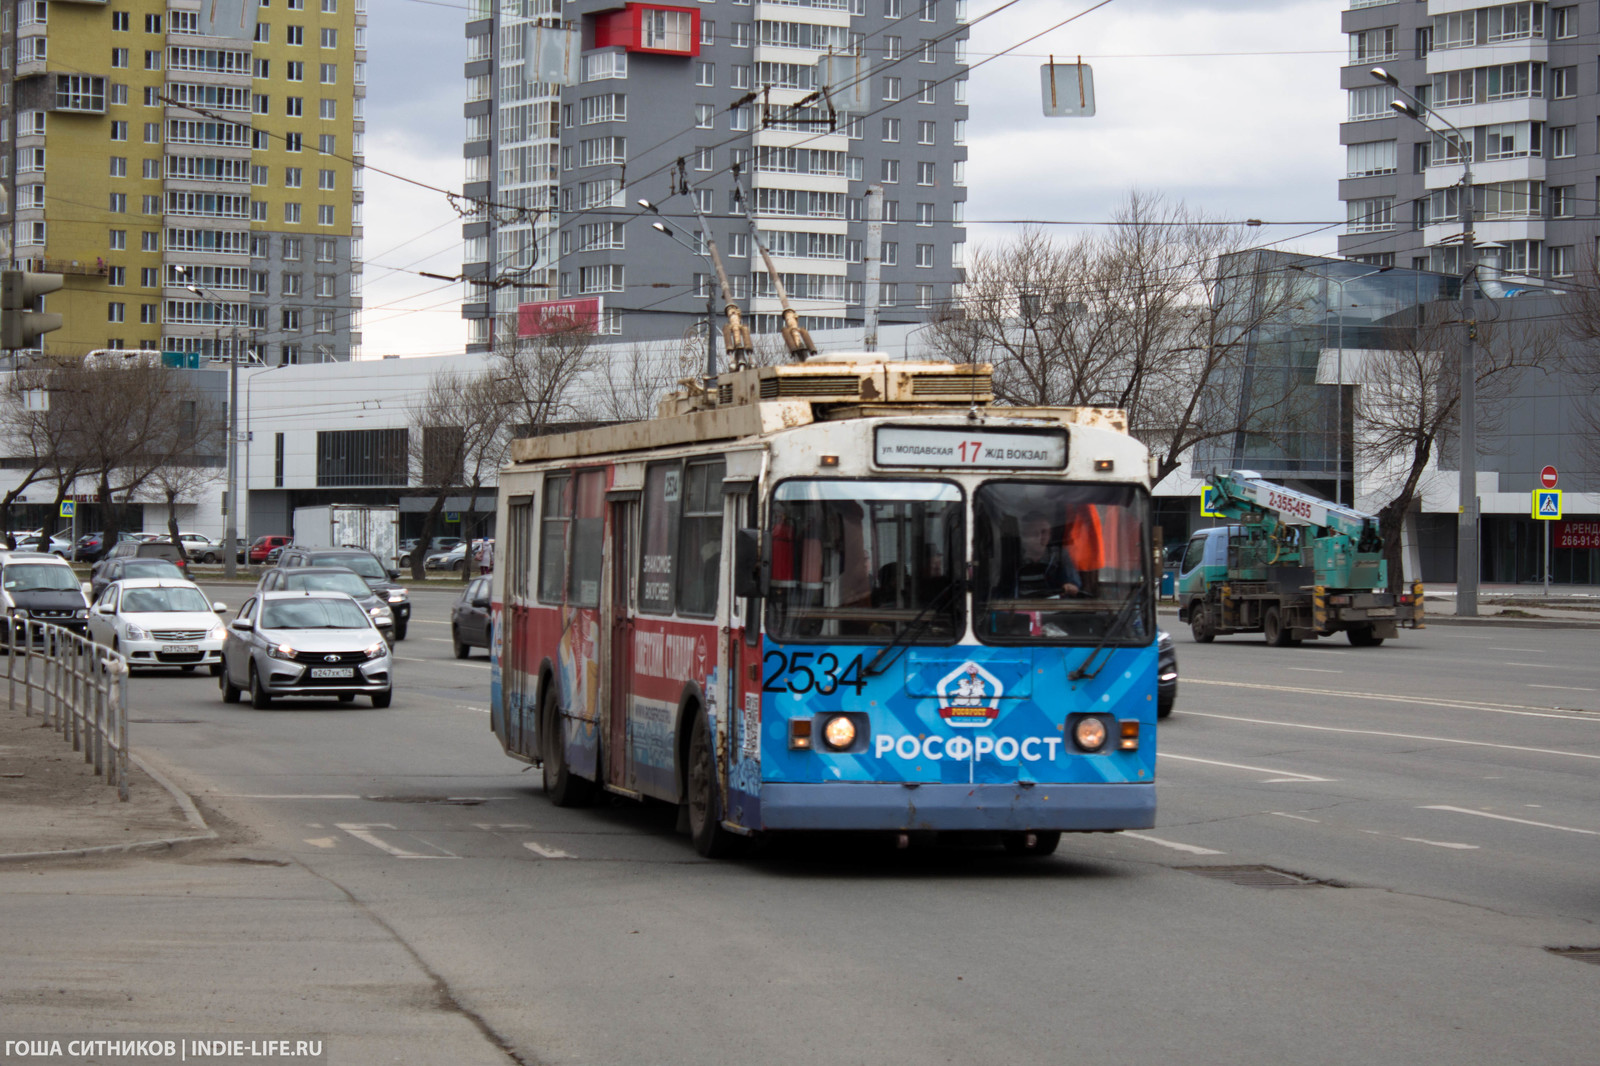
(1089, 734)
(839, 732)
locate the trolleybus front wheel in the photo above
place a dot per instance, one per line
(705, 812)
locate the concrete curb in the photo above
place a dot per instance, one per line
(1482, 620)
(191, 813)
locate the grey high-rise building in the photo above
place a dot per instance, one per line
(727, 87)
(1519, 83)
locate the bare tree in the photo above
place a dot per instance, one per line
(460, 434)
(1127, 319)
(538, 375)
(1408, 403)
(631, 386)
(27, 434)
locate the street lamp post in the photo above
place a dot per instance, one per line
(1467, 516)
(230, 532)
(1338, 426)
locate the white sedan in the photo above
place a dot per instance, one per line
(159, 622)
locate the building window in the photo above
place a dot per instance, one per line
(1563, 142)
(295, 35)
(1562, 261)
(926, 92)
(1563, 84)
(294, 106)
(326, 248)
(704, 116)
(290, 319)
(330, 37)
(1563, 201)
(1368, 158)
(325, 214)
(891, 253)
(705, 74)
(119, 203)
(291, 214)
(1375, 45)
(358, 457)
(1564, 22)
(119, 131)
(1370, 102)
(119, 240)
(119, 57)
(117, 276)
(152, 60)
(295, 70)
(891, 130)
(891, 89)
(116, 312)
(889, 172)
(1374, 215)
(325, 180)
(925, 255)
(926, 131)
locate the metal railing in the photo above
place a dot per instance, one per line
(79, 687)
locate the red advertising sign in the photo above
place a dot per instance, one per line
(1570, 534)
(1547, 477)
(553, 316)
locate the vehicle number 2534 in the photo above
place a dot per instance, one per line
(805, 671)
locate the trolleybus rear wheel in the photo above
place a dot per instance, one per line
(564, 788)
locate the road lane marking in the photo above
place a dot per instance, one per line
(1562, 688)
(491, 826)
(1536, 666)
(441, 662)
(1314, 670)
(544, 852)
(1279, 775)
(1508, 818)
(1442, 844)
(441, 640)
(1173, 844)
(363, 832)
(1525, 651)
(1296, 817)
(1519, 709)
(322, 842)
(1395, 736)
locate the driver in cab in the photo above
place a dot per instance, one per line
(1043, 570)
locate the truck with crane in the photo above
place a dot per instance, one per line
(1290, 566)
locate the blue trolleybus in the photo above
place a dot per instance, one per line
(847, 594)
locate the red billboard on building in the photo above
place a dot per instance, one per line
(1570, 534)
(554, 316)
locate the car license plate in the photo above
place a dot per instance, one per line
(179, 649)
(332, 671)
(1381, 612)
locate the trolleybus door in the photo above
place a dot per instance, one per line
(618, 626)
(515, 686)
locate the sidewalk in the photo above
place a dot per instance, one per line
(54, 806)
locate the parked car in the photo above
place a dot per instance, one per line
(201, 548)
(261, 547)
(42, 586)
(381, 580)
(107, 571)
(1166, 673)
(333, 579)
(159, 622)
(437, 544)
(305, 644)
(469, 618)
(274, 555)
(446, 560)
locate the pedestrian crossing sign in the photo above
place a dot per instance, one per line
(1208, 503)
(1547, 504)
(67, 508)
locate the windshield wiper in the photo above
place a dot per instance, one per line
(1113, 631)
(913, 629)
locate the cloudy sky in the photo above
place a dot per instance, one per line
(1230, 105)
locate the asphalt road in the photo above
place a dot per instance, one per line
(404, 888)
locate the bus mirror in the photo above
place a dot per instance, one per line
(747, 563)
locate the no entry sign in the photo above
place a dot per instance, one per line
(1547, 477)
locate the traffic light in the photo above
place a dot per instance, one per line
(20, 324)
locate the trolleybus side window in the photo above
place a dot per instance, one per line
(588, 539)
(866, 561)
(700, 539)
(663, 495)
(519, 535)
(553, 537)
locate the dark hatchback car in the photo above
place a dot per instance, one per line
(1166, 673)
(469, 618)
(381, 580)
(37, 585)
(108, 570)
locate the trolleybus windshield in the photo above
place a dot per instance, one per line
(864, 560)
(1059, 562)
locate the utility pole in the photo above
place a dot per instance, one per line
(873, 268)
